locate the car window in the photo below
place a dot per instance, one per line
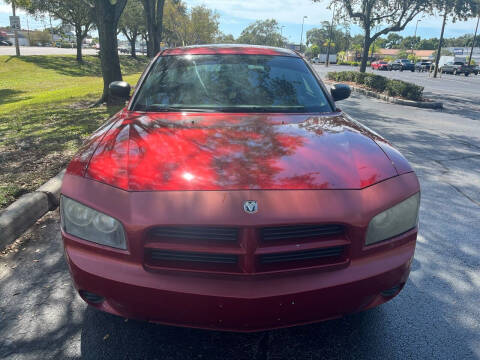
(458, 63)
(232, 83)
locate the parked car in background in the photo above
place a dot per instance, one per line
(4, 39)
(315, 60)
(232, 193)
(475, 69)
(402, 64)
(380, 65)
(422, 66)
(456, 68)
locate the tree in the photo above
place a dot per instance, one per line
(320, 37)
(154, 15)
(107, 14)
(262, 32)
(130, 23)
(225, 39)
(175, 23)
(428, 44)
(393, 41)
(203, 25)
(378, 17)
(315, 50)
(77, 13)
(183, 27)
(40, 37)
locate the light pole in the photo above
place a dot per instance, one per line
(281, 34)
(301, 35)
(415, 35)
(327, 61)
(473, 43)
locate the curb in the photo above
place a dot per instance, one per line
(24, 212)
(419, 104)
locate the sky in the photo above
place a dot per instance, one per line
(235, 15)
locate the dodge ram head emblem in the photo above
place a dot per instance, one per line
(250, 206)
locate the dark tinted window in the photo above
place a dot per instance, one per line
(231, 83)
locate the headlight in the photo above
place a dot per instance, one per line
(394, 221)
(88, 224)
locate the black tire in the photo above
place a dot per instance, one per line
(466, 74)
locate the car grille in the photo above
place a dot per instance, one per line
(246, 250)
(301, 255)
(182, 256)
(300, 232)
(196, 233)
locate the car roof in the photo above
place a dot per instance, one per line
(229, 49)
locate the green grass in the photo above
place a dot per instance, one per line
(45, 115)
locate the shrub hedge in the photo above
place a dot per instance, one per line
(380, 84)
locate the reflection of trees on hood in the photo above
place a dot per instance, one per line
(140, 153)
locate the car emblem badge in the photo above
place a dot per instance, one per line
(250, 206)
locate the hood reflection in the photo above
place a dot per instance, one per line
(174, 151)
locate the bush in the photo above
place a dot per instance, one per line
(404, 89)
(350, 63)
(379, 84)
(360, 77)
(376, 82)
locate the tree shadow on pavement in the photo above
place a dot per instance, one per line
(40, 314)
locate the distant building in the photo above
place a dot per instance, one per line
(295, 47)
(465, 52)
(422, 54)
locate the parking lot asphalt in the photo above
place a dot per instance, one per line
(437, 315)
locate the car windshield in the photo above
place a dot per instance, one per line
(231, 83)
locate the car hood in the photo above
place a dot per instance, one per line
(207, 151)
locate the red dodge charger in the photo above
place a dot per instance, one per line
(231, 193)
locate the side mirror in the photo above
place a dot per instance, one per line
(120, 89)
(340, 91)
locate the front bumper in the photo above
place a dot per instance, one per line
(249, 300)
(243, 303)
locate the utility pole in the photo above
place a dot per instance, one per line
(439, 50)
(473, 43)
(51, 27)
(15, 31)
(415, 35)
(327, 61)
(301, 36)
(28, 32)
(281, 33)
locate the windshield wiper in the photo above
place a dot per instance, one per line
(272, 109)
(166, 108)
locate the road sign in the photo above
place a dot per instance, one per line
(15, 22)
